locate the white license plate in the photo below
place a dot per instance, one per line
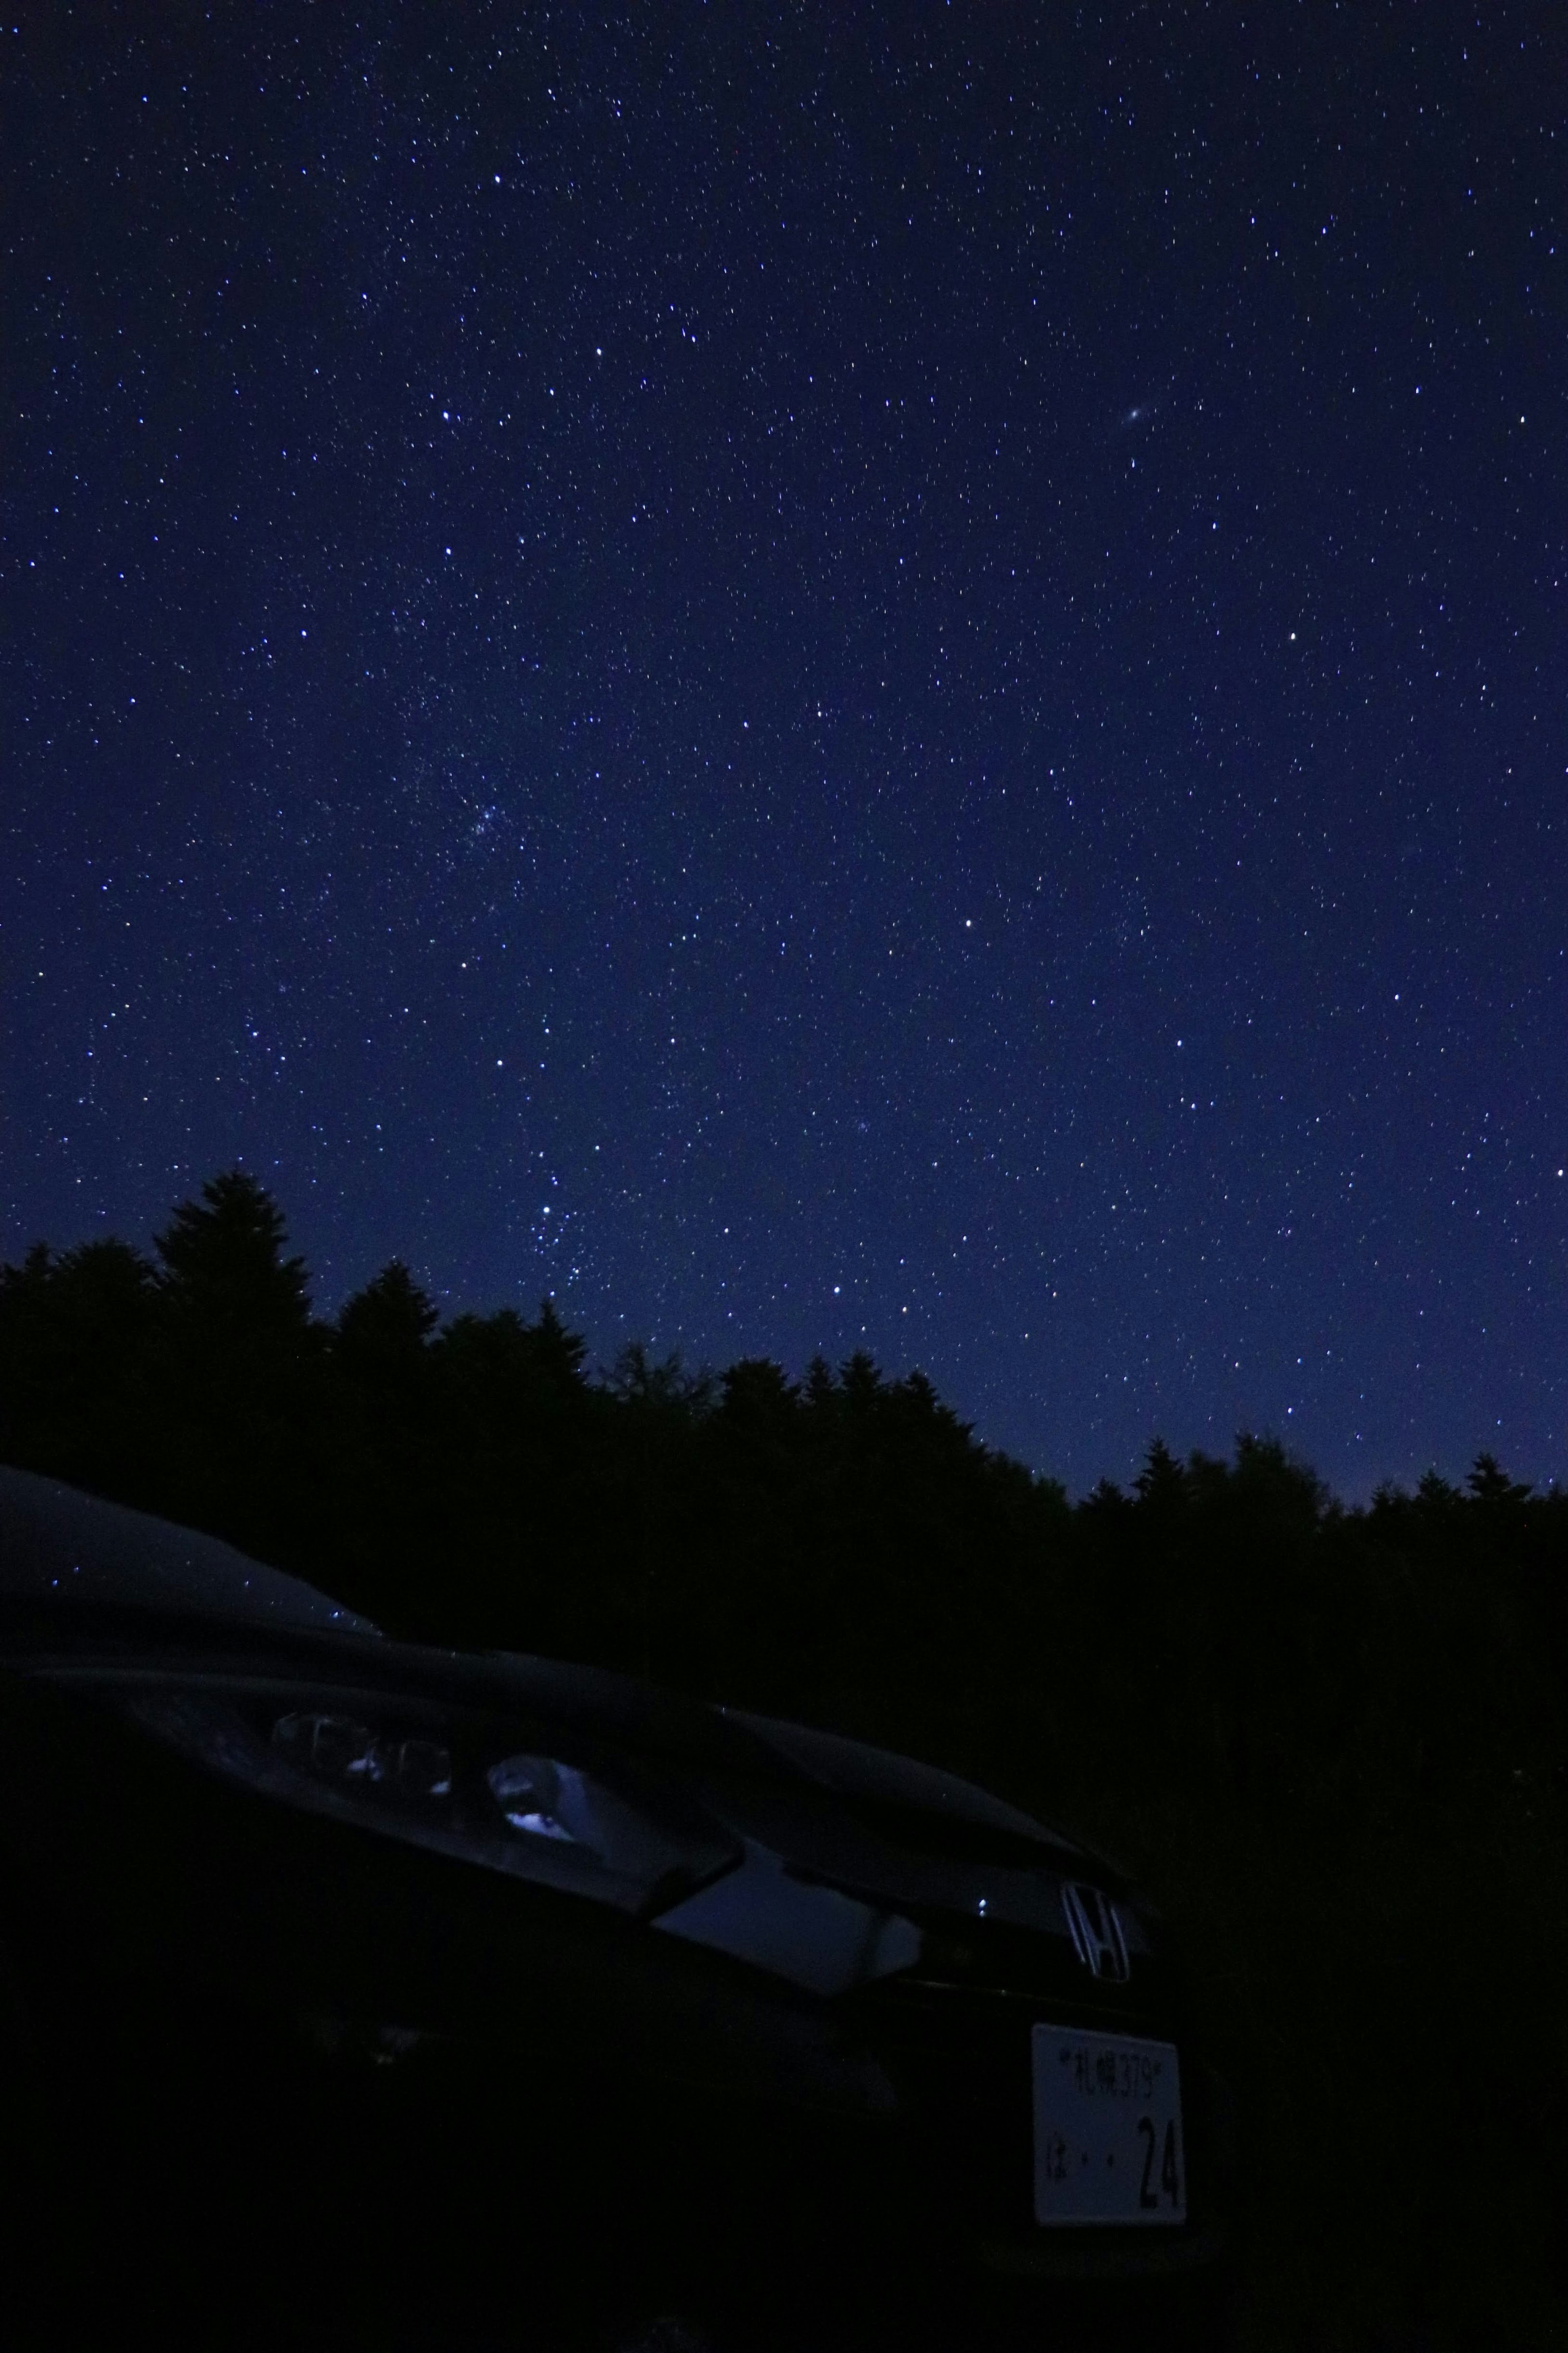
(1107, 2129)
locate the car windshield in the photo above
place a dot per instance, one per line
(57, 1545)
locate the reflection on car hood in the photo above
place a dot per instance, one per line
(59, 1544)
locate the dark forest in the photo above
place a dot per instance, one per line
(1331, 1740)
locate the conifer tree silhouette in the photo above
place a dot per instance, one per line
(384, 1330)
(223, 1274)
(76, 1333)
(241, 1360)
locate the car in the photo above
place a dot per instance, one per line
(357, 1990)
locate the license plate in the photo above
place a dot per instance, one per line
(1107, 2129)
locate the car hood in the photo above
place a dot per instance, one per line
(848, 1853)
(59, 1545)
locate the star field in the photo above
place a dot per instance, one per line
(819, 677)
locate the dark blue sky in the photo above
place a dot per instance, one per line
(821, 678)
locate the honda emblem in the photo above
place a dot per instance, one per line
(1095, 1928)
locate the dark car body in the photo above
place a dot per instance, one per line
(366, 1992)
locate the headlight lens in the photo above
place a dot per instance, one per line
(586, 1824)
(336, 1748)
(542, 1799)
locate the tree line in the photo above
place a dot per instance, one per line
(840, 1540)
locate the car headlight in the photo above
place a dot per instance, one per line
(565, 1817)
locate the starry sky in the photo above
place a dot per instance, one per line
(819, 677)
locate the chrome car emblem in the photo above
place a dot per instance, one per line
(1097, 1935)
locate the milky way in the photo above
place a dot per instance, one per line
(850, 678)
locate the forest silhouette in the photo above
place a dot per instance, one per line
(1331, 1740)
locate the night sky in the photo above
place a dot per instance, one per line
(824, 679)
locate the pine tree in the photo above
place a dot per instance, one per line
(223, 1274)
(242, 1361)
(383, 1331)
